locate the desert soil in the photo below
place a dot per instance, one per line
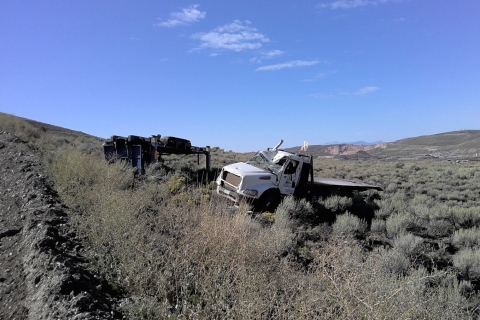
(43, 274)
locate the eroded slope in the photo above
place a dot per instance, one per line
(42, 272)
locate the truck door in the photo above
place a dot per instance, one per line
(290, 176)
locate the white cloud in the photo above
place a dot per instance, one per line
(186, 16)
(236, 36)
(267, 55)
(289, 64)
(349, 4)
(321, 96)
(359, 92)
(274, 53)
(320, 76)
(365, 90)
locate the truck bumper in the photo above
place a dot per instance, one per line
(229, 194)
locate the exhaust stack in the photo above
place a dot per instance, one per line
(278, 145)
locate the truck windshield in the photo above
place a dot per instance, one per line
(260, 161)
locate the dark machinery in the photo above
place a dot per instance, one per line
(141, 151)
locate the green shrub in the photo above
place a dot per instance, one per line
(378, 225)
(391, 187)
(370, 194)
(422, 211)
(422, 199)
(439, 228)
(398, 223)
(394, 261)
(466, 217)
(408, 244)
(291, 209)
(380, 286)
(348, 225)
(336, 203)
(386, 208)
(466, 238)
(467, 262)
(397, 203)
(399, 165)
(440, 212)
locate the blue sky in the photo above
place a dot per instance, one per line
(244, 74)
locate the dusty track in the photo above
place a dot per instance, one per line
(42, 272)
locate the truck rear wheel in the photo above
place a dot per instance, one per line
(267, 202)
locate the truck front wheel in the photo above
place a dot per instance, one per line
(267, 202)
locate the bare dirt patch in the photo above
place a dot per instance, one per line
(43, 274)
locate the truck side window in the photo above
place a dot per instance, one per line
(281, 161)
(292, 167)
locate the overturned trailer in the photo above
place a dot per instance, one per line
(142, 151)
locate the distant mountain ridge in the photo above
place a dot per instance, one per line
(356, 143)
(464, 143)
(449, 144)
(338, 149)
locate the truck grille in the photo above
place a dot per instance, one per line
(231, 181)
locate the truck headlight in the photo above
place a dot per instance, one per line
(250, 192)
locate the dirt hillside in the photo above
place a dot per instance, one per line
(349, 149)
(42, 272)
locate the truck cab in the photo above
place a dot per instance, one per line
(265, 178)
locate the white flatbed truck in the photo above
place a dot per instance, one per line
(273, 174)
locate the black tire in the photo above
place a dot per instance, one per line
(267, 202)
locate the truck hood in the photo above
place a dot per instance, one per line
(242, 168)
(252, 177)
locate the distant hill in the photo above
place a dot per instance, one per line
(455, 139)
(464, 143)
(449, 144)
(356, 143)
(364, 143)
(47, 135)
(338, 149)
(44, 127)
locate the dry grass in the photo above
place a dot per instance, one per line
(48, 141)
(180, 253)
(185, 256)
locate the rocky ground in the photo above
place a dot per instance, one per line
(42, 272)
